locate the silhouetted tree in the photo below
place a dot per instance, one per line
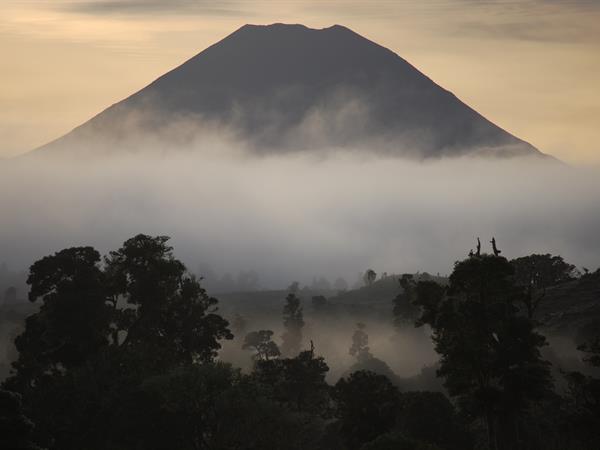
(591, 351)
(74, 320)
(294, 287)
(490, 354)
(405, 310)
(293, 322)
(365, 361)
(360, 343)
(262, 344)
(99, 333)
(169, 316)
(494, 248)
(583, 400)
(298, 382)
(211, 406)
(16, 430)
(369, 277)
(366, 407)
(430, 417)
(396, 441)
(535, 273)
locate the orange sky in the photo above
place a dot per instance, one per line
(531, 66)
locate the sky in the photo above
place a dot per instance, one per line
(532, 67)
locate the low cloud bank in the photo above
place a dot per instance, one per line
(296, 216)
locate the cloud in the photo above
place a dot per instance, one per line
(550, 21)
(296, 216)
(201, 7)
(524, 30)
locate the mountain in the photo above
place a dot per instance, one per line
(283, 87)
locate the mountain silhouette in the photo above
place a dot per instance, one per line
(279, 88)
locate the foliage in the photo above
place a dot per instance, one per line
(122, 353)
(535, 273)
(101, 331)
(369, 277)
(169, 315)
(360, 343)
(74, 320)
(405, 303)
(262, 344)
(366, 407)
(15, 428)
(429, 417)
(583, 399)
(591, 351)
(396, 441)
(293, 322)
(490, 354)
(297, 382)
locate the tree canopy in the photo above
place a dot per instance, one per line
(489, 352)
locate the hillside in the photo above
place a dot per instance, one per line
(573, 308)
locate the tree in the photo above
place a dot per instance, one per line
(16, 429)
(405, 309)
(262, 344)
(583, 399)
(293, 322)
(178, 409)
(490, 353)
(209, 406)
(430, 417)
(101, 331)
(591, 351)
(366, 407)
(535, 273)
(360, 343)
(169, 315)
(74, 320)
(365, 361)
(369, 277)
(298, 382)
(294, 287)
(396, 441)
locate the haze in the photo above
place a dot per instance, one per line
(299, 215)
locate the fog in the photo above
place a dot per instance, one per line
(407, 351)
(297, 216)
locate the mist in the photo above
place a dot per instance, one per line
(407, 350)
(297, 216)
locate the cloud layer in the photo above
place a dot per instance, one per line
(295, 217)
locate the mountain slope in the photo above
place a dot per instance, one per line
(287, 87)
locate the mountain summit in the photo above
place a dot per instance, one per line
(283, 87)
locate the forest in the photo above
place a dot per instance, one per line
(129, 350)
